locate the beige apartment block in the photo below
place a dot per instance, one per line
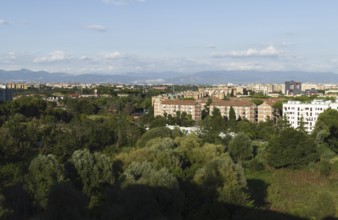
(243, 108)
(266, 111)
(164, 107)
(17, 86)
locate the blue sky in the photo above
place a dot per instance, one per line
(119, 36)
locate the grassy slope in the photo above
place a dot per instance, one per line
(292, 191)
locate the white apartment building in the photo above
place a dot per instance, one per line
(295, 111)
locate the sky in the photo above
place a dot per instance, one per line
(121, 36)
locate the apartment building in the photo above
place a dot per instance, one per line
(243, 108)
(295, 112)
(293, 88)
(171, 106)
(17, 85)
(267, 112)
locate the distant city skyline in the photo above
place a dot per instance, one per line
(119, 36)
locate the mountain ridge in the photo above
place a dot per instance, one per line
(204, 77)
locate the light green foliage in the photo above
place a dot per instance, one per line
(143, 173)
(93, 168)
(153, 133)
(240, 147)
(226, 177)
(188, 142)
(43, 172)
(302, 194)
(323, 206)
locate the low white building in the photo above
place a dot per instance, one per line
(295, 112)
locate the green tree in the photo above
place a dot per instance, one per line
(291, 148)
(43, 172)
(240, 147)
(227, 178)
(301, 126)
(144, 173)
(328, 120)
(232, 114)
(153, 133)
(94, 169)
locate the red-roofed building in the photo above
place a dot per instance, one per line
(243, 108)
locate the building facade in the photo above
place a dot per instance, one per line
(164, 107)
(293, 88)
(267, 112)
(306, 113)
(243, 108)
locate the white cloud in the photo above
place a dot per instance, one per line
(52, 57)
(3, 22)
(334, 60)
(11, 55)
(121, 2)
(111, 55)
(97, 27)
(269, 51)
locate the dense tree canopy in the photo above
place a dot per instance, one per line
(291, 148)
(95, 158)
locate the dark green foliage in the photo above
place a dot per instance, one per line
(254, 164)
(43, 172)
(66, 203)
(232, 114)
(246, 127)
(291, 148)
(240, 147)
(325, 167)
(27, 106)
(257, 101)
(159, 121)
(138, 201)
(95, 170)
(328, 120)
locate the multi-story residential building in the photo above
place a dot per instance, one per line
(267, 112)
(293, 88)
(307, 113)
(5, 94)
(17, 85)
(171, 107)
(243, 108)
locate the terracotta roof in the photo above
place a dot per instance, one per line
(178, 102)
(271, 101)
(232, 102)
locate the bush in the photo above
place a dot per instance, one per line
(324, 168)
(254, 164)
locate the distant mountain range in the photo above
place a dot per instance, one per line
(206, 77)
